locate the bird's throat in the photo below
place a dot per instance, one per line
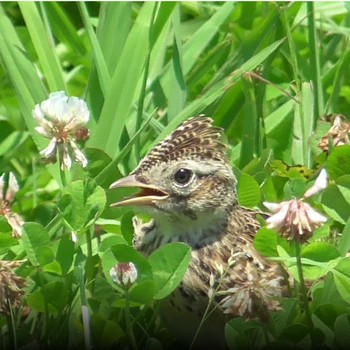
(197, 233)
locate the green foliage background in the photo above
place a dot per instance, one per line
(268, 73)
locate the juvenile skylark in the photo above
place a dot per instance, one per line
(187, 185)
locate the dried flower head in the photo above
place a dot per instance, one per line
(257, 297)
(63, 120)
(7, 196)
(338, 133)
(11, 286)
(124, 274)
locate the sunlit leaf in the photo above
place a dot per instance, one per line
(169, 264)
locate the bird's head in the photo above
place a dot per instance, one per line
(185, 177)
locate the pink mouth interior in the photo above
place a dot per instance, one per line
(150, 192)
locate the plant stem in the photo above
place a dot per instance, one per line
(128, 322)
(88, 242)
(304, 293)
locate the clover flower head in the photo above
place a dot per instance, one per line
(294, 219)
(63, 120)
(124, 274)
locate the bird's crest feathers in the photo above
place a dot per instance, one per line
(196, 138)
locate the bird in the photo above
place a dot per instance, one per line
(187, 185)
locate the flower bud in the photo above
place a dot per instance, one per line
(124, 274)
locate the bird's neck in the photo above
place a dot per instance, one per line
(196, 232)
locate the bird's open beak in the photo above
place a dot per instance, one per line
(147, 196)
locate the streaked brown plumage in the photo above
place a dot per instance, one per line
(188, 187)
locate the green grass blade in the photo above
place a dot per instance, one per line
(43, 46)
(112, 33)
(250, 124)
(63, 27)
(315, 62)
(123, 86)
(199, 41)
(175, 89)
(100, 64)
(22, 74)
(194, 47)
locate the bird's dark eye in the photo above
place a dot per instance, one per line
(183, 176)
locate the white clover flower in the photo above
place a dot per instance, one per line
(6, 199)
(124, 274)
(63, 120)
(294, 219)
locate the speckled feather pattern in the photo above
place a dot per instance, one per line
(194, 138)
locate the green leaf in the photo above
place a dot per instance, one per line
(110, 240)
(65, 254)
(53, 267)
(344, 242)
(6, 239)
(335, 203)
(142, 293)
(320, 251)
(265, 241)
(249, 194)
(169, 264)
(342, 331)
(52, 297)
(105, 332)
(36, 242)
(127, 227)
(328, 313)
(81, 204)
(295, 332)
(338, 162)
(342, 278)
